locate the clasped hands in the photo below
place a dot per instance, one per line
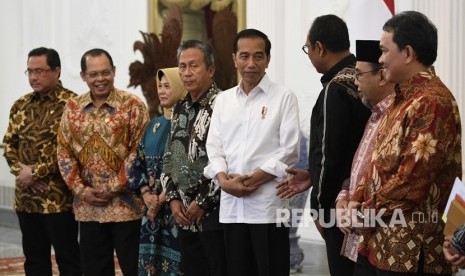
(97, 197)
(237, 185)
(349, 221)
(154, 203)
(25, 180)
(185, 217)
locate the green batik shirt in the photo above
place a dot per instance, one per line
(31, 139)
(186, 156)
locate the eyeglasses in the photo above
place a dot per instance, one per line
(36, 72)
(305, 49)
(105, 74)
(358, 74)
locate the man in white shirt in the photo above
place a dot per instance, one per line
(253, 138)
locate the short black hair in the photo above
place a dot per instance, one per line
(94, 53)
(53, 58)
(331, 31)
(252, 33)
(415, 29)
(205, 48)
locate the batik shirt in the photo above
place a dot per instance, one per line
(416, 159)
(31, 139)
(360, 163)
(186, 156)
(96, 147)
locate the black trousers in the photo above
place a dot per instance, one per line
(203, 253)
(365, 268)
(100, 240)
(338, 264)
(42, 231)
(257, 249)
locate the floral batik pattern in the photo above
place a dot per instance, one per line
(416, 159)
(159, 249)
(96, 148)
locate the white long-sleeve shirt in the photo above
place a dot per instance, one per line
(249, 132)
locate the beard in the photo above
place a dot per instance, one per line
(366, 102)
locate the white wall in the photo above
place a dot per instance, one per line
(70, 27)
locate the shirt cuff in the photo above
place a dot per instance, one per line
(276, 168)
(343, 194)
(202, 202)
(214, 167)
(79, 190)
(172, 195)
(15, 169)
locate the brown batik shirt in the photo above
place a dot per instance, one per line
(416, 159)
(31, 139)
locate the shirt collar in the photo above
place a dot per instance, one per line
(110, 103)
(206, 97)
(51, 95)
(262, 86)
(382, 106)
(348, 61)
(407, 88)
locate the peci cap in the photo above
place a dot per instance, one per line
(368, 50)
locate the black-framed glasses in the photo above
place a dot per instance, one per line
(358, 74)
(305, 49)
(36, 72)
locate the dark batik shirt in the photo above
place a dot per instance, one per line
(186, 156)
(31, 139)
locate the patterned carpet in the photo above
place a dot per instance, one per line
(14, 267)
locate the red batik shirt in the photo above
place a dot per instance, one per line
(416, 159)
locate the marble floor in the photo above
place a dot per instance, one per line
(314, 252)
(10, 242)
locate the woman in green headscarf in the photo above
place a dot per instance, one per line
(159, 252)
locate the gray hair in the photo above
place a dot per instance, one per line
(205, 48)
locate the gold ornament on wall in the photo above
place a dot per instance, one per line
(158, 52)
(213, 21)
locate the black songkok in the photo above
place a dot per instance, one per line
(368, 50)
